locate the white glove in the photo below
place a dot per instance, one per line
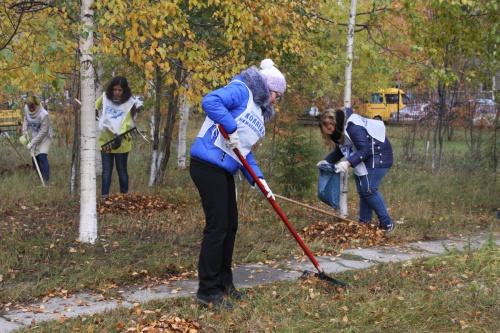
(233, 141)
(323, 162)
(342, 167)
(266, 187)
(29, 146)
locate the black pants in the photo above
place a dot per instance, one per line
(218, 197)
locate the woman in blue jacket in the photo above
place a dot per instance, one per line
(366, 148)
(241, 108)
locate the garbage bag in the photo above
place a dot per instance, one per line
(329, 185)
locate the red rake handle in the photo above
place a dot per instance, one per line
(273, 203)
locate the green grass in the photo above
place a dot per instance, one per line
(454, 292)
(41, 252)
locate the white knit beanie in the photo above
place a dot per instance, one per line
(275, 80)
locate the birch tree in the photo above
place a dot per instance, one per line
(347, 97)
(88, 202)
(181, 144)
(209, 42)
(156, 154)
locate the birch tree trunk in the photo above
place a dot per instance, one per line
(181, 146)
(347, 97)
(156, 155)
(88, 208)
(172, 111)
(75, 152)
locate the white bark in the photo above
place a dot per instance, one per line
(347, 97)
(152, 128)
(73, 180)
(152, 174)
(181, 149)
(155, 166)
(88, 202)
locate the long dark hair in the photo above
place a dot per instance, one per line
(122, 82)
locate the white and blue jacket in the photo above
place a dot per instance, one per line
(370, 151)
(224, 106)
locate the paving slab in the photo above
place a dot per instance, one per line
(340, 264)
(254, 274)
(461, 243)
(329, 264)
(53, 308)
(139, 294)
(7, 326)
(243, 277)
(387, 254)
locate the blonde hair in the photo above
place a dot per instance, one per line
(329, 117)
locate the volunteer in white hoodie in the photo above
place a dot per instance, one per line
(37, 126)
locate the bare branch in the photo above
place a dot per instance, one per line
(30, 6)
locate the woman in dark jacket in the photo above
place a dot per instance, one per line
(366, 148)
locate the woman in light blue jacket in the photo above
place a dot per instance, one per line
(241, 108)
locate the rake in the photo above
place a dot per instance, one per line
(321, 273)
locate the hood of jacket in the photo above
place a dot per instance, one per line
(260, 90)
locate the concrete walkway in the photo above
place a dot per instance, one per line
(244, 276)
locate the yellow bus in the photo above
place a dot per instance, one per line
(383, 103)
(11, 120)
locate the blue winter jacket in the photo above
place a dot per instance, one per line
(223, 106)
(380, 157)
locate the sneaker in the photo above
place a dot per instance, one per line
(232, 292)
(216, 301)
(388, 228)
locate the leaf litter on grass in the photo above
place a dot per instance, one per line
(165, 324)
(345, 234)
(59, 222)
(132, 203)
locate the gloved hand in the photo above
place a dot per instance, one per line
(266, 187)
(29, 146)
(117, 142)
(233, 141)
(342, 166)
(323, 162)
